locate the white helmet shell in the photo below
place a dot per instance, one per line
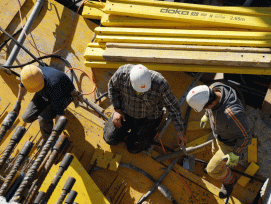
(140, 78)
(198, 97)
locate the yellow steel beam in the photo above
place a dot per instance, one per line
(261, 23)
(215, 34)
(257, 11)
(94, 4)
(184, 68)
(126, 21)
(92, 13)
(93, 53)
(182, 41)
(238, 59)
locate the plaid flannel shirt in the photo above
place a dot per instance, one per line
(144, 105)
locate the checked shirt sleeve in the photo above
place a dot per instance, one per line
(114, 89)
(173, 106)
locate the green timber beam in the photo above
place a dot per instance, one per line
(261, 23)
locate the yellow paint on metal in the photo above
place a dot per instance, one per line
(182, 41)
(93, 53)
(92, 13)
(105, 159)
(197, 142)
(7, 12)
(195, 125)
(94, 4)
(87, 190)
(251, 170)
(97, 45)
(252, 151)
(257, 11)
(261, 23)
(214, 34)
(184, 68)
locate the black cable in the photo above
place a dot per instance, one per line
(101, 96)
(6, 41)
(21, 46)
(43, 57)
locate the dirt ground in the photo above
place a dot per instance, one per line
(260, 127)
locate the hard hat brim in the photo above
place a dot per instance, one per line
(35, 89)
(142, 90)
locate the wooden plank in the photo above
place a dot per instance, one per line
(187, 47)
(266, 106)
(188, 57)
(251, 170)
(252, 151)
(7, 12)
(215, 34)
(182, 41)
(184, 68)
(261, 23)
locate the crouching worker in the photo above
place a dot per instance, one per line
(229, 125)
(138, 96)
(53, 93)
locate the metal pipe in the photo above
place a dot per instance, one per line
(15, 139)
(39, 197)
(66, 189)
(7, 123)
(180, 152)
(26, 29)
(37, 183)
(62, 168)
(22, 156)
(71, 197)
(57, 129)
(94, 108)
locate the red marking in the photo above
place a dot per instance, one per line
(143, 86)
(140, 68)
(193, 91)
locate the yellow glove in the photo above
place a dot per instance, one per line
(232, 159)
(204, 121)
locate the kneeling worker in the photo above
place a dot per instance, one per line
(138, 96)
(53, 93)
(229, 125)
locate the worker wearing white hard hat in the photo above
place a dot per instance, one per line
(227, 117)
(138, 96)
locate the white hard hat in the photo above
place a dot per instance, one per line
(198, 97)
(140, 78)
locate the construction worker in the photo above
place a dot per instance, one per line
(53, 93)
(138, 96)
(229, 124)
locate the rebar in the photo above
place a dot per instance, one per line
(71, 197)
(66, 189)
(62, 168)
(58, 128)
(22, 155)
(7, 123)
(16, 137)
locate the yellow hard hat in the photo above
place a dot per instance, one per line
(32, 78)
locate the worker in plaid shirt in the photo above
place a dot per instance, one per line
(138, 96)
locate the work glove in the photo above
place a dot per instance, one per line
(204, 121)
(17, 107)
(232, 159)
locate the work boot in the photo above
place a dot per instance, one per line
(227, 189)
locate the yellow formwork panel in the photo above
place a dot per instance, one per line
(126, 21)
(92, 13)
(197, 142)
(182, 41)
(7, 12)
(97, 45)
(252, 151)
(94, 4)
(213, 34)
(257, 11)
(93, 53)
(261, 23)
(195, 125)
(88, 191)
(251, 170)
(184, 68)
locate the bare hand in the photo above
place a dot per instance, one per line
(118, 115)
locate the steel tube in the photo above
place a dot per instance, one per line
(22, 36)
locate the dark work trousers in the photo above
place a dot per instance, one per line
(138, 134)
(39, 108)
